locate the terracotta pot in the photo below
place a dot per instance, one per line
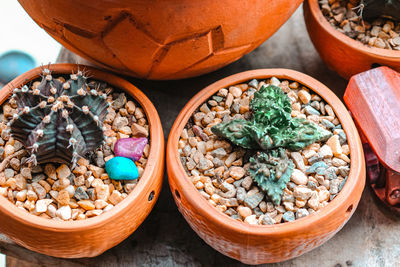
(341, 53)
(256, 244)
(93, 236)
(159, 39)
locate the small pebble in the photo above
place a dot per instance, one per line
(130, 147)
(120, 168)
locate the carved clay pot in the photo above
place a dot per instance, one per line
(159, 39)
(341, 53)
(257, 244)
(93, 236)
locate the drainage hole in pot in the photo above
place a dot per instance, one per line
(350, 208)
(177, 194)
(151, 196)
(375, 65)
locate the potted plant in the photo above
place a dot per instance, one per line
(161, 39)
(64, 191)
(243, 175)
(359, 39)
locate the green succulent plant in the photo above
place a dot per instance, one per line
(271, 125)
(271, 128)
(272, 171)
(371, 9)
(59, 121)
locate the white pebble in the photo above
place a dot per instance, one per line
(298, 177)
(64, 213)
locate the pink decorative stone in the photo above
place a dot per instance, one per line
(130, 147)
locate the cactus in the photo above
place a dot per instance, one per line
(372, 9)
(272, 171)
(59, 121)
(271, 125)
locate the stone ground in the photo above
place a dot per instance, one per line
(370, 238)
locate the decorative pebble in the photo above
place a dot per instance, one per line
(267, 220)
(298, 177)
(334, 143)
(64, 213)
(252, 219)
(311, 111)
(303, 193)
(253, 200)
(300, 213)
(130, 147)
(120, 168)
(80, 194)
(288, 216)
(304, 96)
(41, 205)
(318, 167)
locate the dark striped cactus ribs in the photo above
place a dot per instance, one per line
(59, 121)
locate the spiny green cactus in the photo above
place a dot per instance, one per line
(372, 9)
(272, 171)
(59, 121)
(271, 125)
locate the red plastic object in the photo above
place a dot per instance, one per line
(373, 97)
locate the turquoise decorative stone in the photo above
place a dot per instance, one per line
(120, 168)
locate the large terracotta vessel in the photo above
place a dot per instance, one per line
(161, 39)
(257, 244)
(93, 236)
(341, 53)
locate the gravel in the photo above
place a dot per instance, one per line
(344, 16)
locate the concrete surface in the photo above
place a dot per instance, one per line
(371, 237)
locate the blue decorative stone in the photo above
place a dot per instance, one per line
(288, 216)
(120, 168)
(311, 111)
(318, 167)
(331, 173)
(327, 124)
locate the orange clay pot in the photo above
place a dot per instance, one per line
(161, 39)
(257, 244)
(93, 236)
(341, 53)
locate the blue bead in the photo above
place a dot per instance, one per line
(120, 168)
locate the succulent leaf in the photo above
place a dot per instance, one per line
(272, 171)
(59, 122)
(299, 134)
(237, 131)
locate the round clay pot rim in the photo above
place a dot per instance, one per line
(156, 140)
(346, 40)
(190, 194)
